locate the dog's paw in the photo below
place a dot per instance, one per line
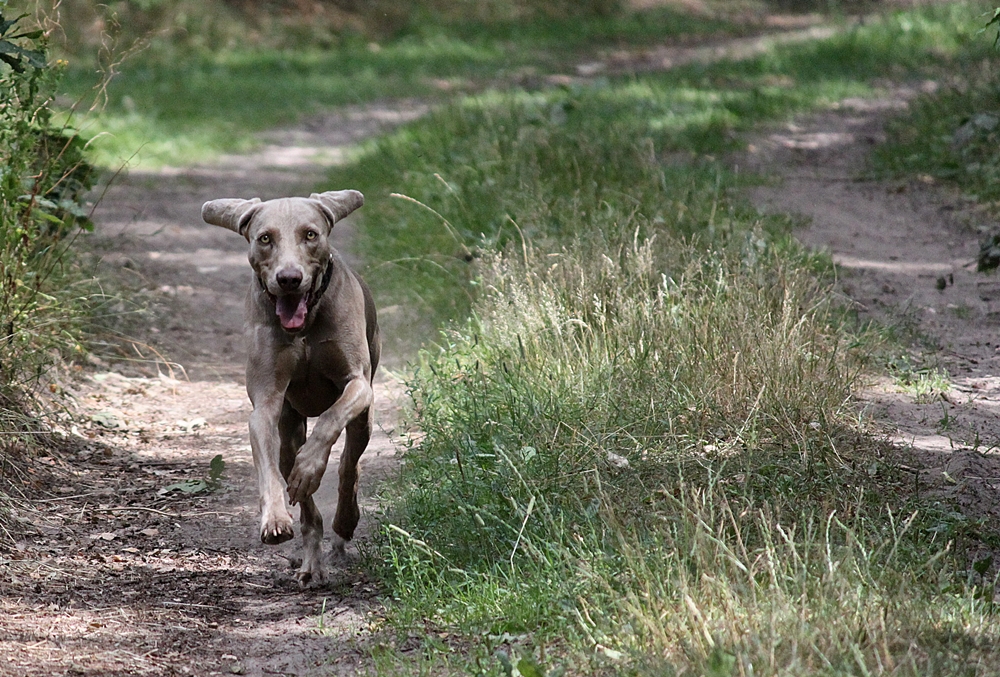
(275, 529)
(311, 574)
(340, 555)
(305, 478)
(339, 550)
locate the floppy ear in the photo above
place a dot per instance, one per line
(231, 213)
(338, 203)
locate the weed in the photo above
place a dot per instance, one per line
(43, 295)
(924, 384)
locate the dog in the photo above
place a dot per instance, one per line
(313, 347)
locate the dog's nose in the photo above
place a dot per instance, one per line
(289, 279)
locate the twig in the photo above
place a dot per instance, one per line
(142, 509)
(200, 606)
(69, 498)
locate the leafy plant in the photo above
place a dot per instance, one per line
(213, 482)
(13, 54)
(43, 179)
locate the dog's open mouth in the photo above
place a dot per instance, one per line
(292, 310)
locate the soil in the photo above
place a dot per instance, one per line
(114, 572)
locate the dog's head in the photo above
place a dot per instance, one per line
(289, 244)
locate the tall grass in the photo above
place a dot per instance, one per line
(638, 452)
(498, 162)
(643, 453)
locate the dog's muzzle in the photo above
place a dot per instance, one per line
(293, 309)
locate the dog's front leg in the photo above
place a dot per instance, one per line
(310, 464)
(275, 520)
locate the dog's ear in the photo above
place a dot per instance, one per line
(231, 213)
(338, 203)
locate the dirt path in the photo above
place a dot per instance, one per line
(906, 254)
(114, 577)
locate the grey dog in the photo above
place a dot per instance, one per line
(313, 343)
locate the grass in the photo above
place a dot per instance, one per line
(951, 133)
(171, 106)
(480, 170)
(639, 454)
(168, 107)
(46, 298)
(924, 384)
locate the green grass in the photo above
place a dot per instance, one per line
(951, 133)
(489, 166)
(639, 454)
(168, 107)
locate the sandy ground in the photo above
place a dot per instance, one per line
(112, 576)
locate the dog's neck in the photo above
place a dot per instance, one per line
(324, 283)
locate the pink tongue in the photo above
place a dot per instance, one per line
(292, 311)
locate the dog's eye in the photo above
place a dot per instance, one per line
(264, 239)
(311, 234)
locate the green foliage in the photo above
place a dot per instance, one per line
(171, 107)
(548, 162)
(646, 449)
(951, 132)
(545, 166)
(13, 54)
(213, 482)
(43, 178)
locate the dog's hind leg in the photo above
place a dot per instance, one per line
(359, 431)
(292, 429)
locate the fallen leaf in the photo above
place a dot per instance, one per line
(188, 426)
(186, 487)
(107, 419)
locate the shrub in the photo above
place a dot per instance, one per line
(43, 178)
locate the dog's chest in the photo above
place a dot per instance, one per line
(318, 380)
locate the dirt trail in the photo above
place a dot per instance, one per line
(906, 254)
(113, 577)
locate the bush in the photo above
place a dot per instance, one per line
(43, 178)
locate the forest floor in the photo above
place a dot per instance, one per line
(112, 575)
